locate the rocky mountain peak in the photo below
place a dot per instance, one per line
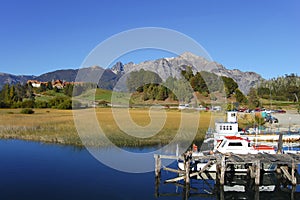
(166, 67)
(118, 68)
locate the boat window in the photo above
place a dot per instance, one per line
(232, 114)
(226, 127)
(235, 144)
(220, 127)
(230, 127)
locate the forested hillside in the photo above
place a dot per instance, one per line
(283, 88)
(150, 85)
(45, 96)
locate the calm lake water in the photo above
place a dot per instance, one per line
(30, 170)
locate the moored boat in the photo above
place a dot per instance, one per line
(231, 145)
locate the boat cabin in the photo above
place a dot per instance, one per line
(228, 128)
(239, 145)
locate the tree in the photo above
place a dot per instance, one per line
(137, 79)
(6, 93)
(253, 99)
(162, 93)
(5, 96)
(20, 92)
(12, 93)
(49, 85)
(240, 97)
(183, 91)
(68, 90)
(29, 91)
(187, 73)
(230, 85)
(198, 84)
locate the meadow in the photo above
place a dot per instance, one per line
(57, 126)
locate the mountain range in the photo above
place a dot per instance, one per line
(164, 67)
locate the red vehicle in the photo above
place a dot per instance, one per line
(281, 111)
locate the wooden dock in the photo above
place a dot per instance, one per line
(287, 165)
(255, 177)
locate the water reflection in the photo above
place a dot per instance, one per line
(237, 186)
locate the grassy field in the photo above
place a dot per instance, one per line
(57, 126)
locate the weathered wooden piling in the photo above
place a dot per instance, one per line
(294, 179)
(256, 195)
(251, 171)
(157, 165)
(280, 143)
(257, 172)
(222, 171)
(187, 161)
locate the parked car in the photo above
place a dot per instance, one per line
(271, 119)
(280, 111)
(183, 106)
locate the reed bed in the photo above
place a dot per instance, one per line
(57, 126)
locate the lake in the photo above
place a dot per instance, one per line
(31, 170)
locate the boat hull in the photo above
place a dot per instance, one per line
(272, 137)
(198, 166)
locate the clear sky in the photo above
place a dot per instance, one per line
(41, 36)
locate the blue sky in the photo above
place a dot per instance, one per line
(42, 36)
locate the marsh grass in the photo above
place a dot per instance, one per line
(57, 126)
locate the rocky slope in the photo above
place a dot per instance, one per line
(166, 67)
(13, 79)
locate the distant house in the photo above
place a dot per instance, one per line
(58, 84)
(36, 83)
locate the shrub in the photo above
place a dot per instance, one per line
(27, 111)
(61, 103)
(28, 104)
(41, 104)
(65, 105)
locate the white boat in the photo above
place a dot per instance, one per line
(230, 128)
(231, 144)
(240, 145)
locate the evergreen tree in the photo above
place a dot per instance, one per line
(49, 85)
(240, 97)
(230, 85)
(187, 73)
(253, 99)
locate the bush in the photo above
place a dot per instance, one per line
(27, 111)
(28, 104)
(61, 103)
(65, 105)
(41, 104)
